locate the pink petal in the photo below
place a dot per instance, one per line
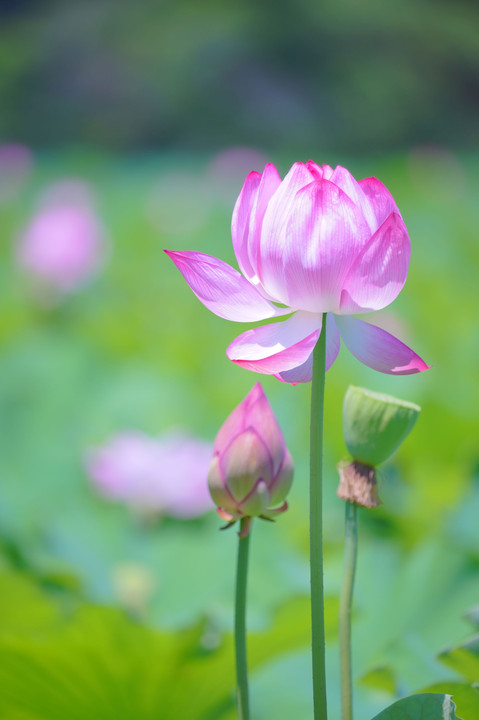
(241, 220)
(278, 208)
(260, 416)
(327, 172)
(222, 289)
(244, 462)
(237, 420)
(274, 222)
(305, 260)
(304, 372)
(380, 199)
(343, 179)
(272, 348)
(281, 484)
(315, 170)
(379, 272)
(218, 489)
(301, 374)
(377, 349)
(248, 217)
(254, 412)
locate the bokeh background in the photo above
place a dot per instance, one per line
(131, 127)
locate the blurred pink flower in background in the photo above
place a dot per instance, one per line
(325, 246)
(227, 169)
(16, 162)
(65, 242)
(252, 470)
(167, 475)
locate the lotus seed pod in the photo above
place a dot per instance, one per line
(375, 425)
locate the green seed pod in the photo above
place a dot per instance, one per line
(375, 425)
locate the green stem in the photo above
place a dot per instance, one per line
(240, 622)
(316, 527)
(345, 606)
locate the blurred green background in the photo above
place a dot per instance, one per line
(144, 102)
(339, 75)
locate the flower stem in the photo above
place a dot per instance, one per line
(242, 692)
(345, 605)
(316, 527)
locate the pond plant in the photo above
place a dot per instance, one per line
(314, 250)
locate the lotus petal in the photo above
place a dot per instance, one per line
(381, 200)
(377, 349)
(222, 289)
(378, 274)
(305, 261)
(248, 217)
(271, 349)
(304, 372)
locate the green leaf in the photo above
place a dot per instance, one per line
(441, 579)
(290, 631)
(381, 678)
(465, 696)
(428, 706)
(101, 664)
(464, 658)
(23, 607)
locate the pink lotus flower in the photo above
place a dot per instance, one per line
(252, 470)
(167, 475)
(324, 246)
(64, 244)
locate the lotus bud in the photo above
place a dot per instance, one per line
(251, 471)
(374, 427)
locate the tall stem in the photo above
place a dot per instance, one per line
(345, 606)
(316, 527)
(242, 692)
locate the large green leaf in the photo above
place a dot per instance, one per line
(464, 659)
(101, 664)
(403, 630)
(290, 631)
(24, 608)
(428, 706)
(465, 696)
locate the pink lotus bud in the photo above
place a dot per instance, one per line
(252, 470)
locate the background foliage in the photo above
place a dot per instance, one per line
(136, 350)
(337, 74)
